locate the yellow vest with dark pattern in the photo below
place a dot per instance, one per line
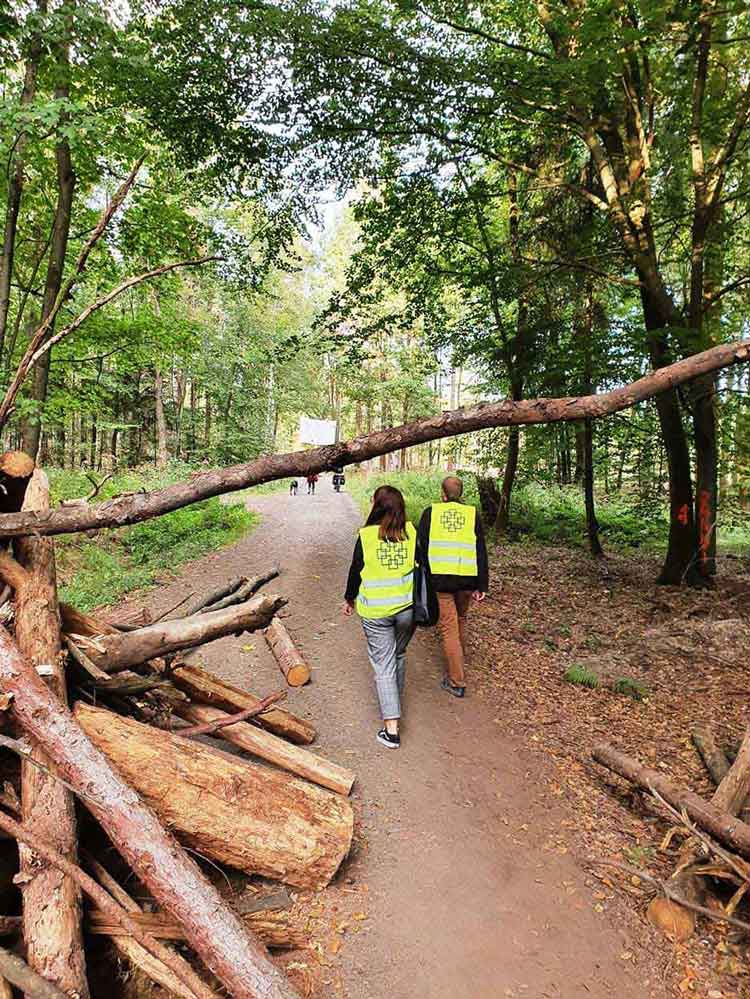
(453, 541)
(387, 580)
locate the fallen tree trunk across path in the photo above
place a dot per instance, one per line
(125, 649)
(206, 688)
(236, 812)
(216, 934)
(719, 824)
(142, 506)
(269, 747)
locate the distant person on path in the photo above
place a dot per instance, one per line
(293, 487)
(380, 585)
(451, 534)
(311, 480)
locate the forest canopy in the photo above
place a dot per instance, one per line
(373, 211)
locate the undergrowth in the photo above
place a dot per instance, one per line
(98, 571)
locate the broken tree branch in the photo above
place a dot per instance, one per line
(142, 506)
(209, 727)
(16, 971)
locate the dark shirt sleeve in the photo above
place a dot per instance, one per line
(355, 573)
(483, 570)
(423, 532)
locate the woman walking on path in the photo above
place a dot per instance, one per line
(380, 586)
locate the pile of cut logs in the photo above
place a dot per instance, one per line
(109, 717)
(711, 876)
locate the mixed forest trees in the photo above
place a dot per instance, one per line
(549, 196)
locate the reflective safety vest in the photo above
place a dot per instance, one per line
(453, 542)
(388, 574)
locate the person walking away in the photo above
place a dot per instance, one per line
(311, 480)
(380, 585)
(293, 487)
(451, 534)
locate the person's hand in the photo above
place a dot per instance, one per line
(347, 609)
(478, 596)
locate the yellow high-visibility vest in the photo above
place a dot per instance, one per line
(388, 574)
(453, 542)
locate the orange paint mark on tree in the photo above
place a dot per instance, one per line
(683, 514)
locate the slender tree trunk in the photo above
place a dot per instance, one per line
(162, 454)
(16, 181)
(592, 525)
(61, 231)
(580, 444)
(207, 425)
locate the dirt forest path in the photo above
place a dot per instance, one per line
(455, 889)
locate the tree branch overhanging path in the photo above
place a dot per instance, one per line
(130, 509)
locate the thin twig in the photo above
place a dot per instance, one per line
(673, 895)
(208, 727)
(97, 485)
(171, 610)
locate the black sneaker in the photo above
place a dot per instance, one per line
(388, 740)
(452, 689)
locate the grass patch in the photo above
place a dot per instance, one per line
(581, 677)
(100, 571)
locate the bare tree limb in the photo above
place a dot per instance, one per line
(142, 506)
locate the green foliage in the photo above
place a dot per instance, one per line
(581, 676)
(101, 571)
(630, 688)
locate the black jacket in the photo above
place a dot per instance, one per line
(453, 584)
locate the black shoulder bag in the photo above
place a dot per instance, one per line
(426, 609)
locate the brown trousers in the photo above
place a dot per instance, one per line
(452, 624)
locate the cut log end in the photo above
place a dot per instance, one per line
(298, 675)
(16, 465)
(674, 921)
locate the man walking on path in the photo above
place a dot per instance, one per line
(451, 534)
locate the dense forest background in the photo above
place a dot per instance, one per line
(371, 212)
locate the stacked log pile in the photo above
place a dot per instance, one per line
(711, 872)
(111, 717)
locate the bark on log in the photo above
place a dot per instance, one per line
(124, 650)
(722, 826)
(206, 688)
(276, 929)
(249, 817)
(52, 907)
(285, 652)
(248, 588)
(734, 788)
(16, 468)
(213, 595)
(712, 755)
(268, 747)
(75, 622)
(142, 506)
(211, 727)
(16, 971)
(149, 964)
(173, 878)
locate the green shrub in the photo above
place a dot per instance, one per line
(581, 676)
(630, 688)
(419, 489)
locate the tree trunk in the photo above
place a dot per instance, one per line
(162, 454)
(133, 509)
(703, 398)
(710, 816)
(16, 180)
(61, 229)
(272, 749)
(124, 650)
(592, 525)
(502, 522)
(249, 817)
(206, 688)
(175, 881)
(51, 900)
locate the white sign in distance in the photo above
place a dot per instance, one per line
(316, 431)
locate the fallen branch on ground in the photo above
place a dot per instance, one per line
(16, 971)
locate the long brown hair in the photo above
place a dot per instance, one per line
(389, 512)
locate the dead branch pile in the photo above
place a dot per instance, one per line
(711, 869)
(131, 749)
